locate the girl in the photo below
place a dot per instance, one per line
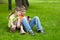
(14, 21)
(29, 24)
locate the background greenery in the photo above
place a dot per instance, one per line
(49, 14)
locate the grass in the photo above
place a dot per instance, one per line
(49, 14)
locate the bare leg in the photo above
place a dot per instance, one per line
(22, 30)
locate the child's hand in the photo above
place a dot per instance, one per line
(13, 26)
(29, 19)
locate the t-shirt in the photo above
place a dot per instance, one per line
(21, 17)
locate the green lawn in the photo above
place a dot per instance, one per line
(49, 14)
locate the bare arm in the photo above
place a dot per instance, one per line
(18, 22)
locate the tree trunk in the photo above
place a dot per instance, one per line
(18, 3)
(22, 2)
(27, 2)
(9, 4)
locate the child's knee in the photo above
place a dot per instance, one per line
(36, 17)
(24, 19)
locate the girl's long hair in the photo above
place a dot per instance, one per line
(16, 9)
(10, 14)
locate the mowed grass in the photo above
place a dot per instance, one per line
(49, 14)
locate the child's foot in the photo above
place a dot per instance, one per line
(31, 32)
(39, 31)
(22, 32)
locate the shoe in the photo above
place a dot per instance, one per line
(39, 31)
(31, 32)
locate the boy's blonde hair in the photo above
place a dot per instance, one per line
(22, 8)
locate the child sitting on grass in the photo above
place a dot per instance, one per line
(29, 24)
(14, 21)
